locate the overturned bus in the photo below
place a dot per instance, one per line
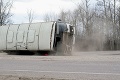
(40, 37)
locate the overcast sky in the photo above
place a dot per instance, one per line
(40, 8)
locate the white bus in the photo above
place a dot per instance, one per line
(37, 37)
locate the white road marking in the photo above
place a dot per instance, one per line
(92, 73)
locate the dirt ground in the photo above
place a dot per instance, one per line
(10, 77)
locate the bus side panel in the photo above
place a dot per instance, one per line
(45, 36)
(3, 35)
(33, 36)
(11, 37)
(22, 37)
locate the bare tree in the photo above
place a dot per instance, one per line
(30, 14)
(114, 11)
(47, 18)
(5, 8)
(50, 17)
(88, 18)
(111, 16)
(119, 16)
(91, 24)
(63, 15)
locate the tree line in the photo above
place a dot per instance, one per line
(97, 27)
(5, 8)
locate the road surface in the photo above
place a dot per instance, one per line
(87, 66)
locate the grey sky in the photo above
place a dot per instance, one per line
(40, 8)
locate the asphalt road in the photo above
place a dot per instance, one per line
(62, 69)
